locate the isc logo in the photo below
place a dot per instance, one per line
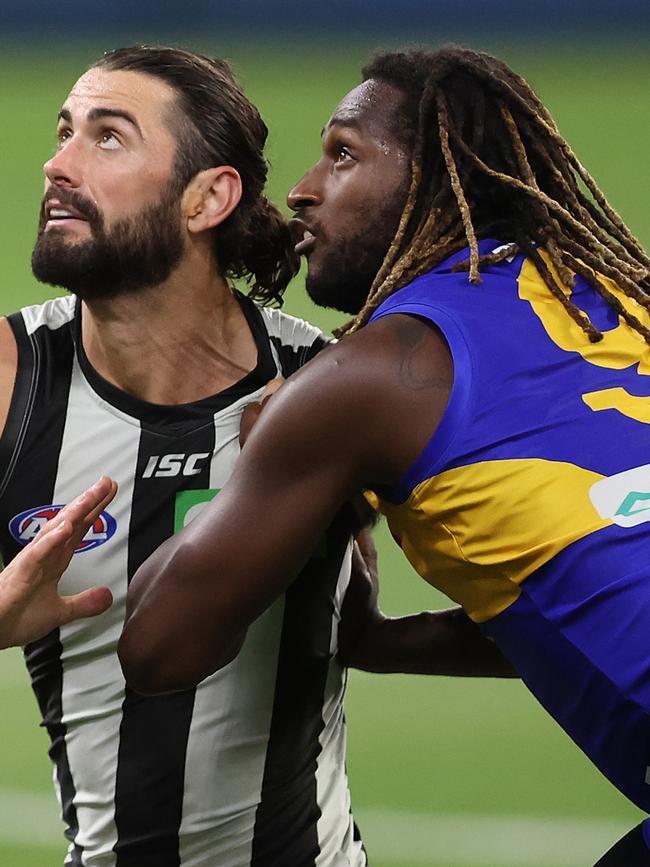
(174, 465)
(26, 525)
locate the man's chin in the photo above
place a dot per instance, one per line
(335, 295)
(59, 242)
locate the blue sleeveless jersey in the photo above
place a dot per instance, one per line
(530, 505)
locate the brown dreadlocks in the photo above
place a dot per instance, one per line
(489, 161)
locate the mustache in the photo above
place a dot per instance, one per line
(70, 198)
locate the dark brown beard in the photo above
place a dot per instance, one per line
(345, 276)
(135, 253)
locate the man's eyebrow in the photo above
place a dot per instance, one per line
(345, 122)
(98, 113)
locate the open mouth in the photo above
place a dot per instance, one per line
(303, 236)
(60, 215)
(306, 243)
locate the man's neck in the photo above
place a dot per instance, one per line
(170, 344)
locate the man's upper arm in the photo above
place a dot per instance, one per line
(200, 590)
(360, 413)
(357, 414)
(8, 369)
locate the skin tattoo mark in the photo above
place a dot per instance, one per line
(415, 370)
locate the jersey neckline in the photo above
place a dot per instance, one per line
(180, 415)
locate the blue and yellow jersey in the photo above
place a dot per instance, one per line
(530, 505)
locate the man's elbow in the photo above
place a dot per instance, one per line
(145, 670)
(150, 670)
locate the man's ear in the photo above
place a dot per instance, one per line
(211, 197)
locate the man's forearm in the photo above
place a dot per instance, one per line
(432, 642)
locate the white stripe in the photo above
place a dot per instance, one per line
(339, 595)
(231, 720)
(292, 332)
(396, 836)
(53, 314)
(338, 848)
(226, 750)
(93, 684)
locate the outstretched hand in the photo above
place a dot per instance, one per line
(443, 642)
(30, 604)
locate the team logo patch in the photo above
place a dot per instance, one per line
(189, 504)
(625, 497)
(27, 524)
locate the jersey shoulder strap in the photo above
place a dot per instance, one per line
(44, 339)
(294, 341)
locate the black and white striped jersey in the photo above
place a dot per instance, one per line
(246, 770)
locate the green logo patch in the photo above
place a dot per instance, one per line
(189, 504)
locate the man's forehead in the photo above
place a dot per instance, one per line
(372, 103)
(136, 92)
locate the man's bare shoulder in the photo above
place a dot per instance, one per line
(8, 367)
(376, 396)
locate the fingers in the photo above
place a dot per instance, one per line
(249, 417)
(83, 511)
(253, 411)
(358, 560)
(89, 505)
(48, 554)
(94, 499)
(51, 550)
(52, 538)
(367, 549)
(270, 389)
(88, 603)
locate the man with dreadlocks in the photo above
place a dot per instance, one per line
(492, 391)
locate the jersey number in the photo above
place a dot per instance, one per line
(620, 348)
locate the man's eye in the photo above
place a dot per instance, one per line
(62, 135)
(343, 154)
(108, 141)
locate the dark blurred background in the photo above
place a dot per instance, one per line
(454, 17)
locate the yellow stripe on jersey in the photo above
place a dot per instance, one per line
(476, 532)
(619, 399)
(621, 347)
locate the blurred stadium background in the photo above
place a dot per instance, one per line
(444, 773)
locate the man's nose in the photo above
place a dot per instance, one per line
(308, 191)
(64, 168)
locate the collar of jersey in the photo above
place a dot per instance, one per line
(186, 416)
(485, 246)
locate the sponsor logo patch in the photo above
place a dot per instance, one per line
(189, 504)
(168, 466)
(624, 498)
(27, 524)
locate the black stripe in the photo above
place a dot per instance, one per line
(44, 663)
(41, 396)
(21, 400)
(294, 357)
(286, 819)
(154, 731)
